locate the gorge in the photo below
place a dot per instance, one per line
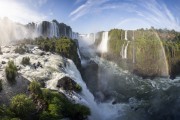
(123, 74)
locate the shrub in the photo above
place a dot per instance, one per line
(25, 61)
(59, 106)
(20, 50)
(22, 106)
(11, 71)
(77, 111)
(78, 88)
(35, 89)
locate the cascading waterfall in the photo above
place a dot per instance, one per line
(126, 35)
(101, 111)
(54, 30)
(38, 29)
(79, 53)
(94, 37)
(103, 47)
(124, 48)
(125, 51)
(122, 51)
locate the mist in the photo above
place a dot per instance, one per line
(12, 32)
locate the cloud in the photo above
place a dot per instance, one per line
(19, 12)
(153, 12)
(88, 7)
(158, 14)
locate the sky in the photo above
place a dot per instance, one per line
(88, 16)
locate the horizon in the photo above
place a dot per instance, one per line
(90, 16)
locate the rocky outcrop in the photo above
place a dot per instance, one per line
(68, 84)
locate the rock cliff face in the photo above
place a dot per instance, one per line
(52, 29)
(12, 32)
(148, 53)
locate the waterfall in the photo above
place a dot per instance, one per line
(122, 51)
(125, 50)
(126, 35)
(103, 47)
(38, 29)
(79, 53)
(94, 37)
(133, 48)
(54, 30)
(101, 111)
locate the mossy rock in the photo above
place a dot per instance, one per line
(67, 83)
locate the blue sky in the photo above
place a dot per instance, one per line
(86, 16)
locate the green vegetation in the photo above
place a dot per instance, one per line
(59, 107)
(116, 41)
(78, 88)
(11, 71)
(35, 89)
(148, 51)
(68, 84)
(25, 61)
(63, 46)
(22, 106)
(20, 50)
(43, 104)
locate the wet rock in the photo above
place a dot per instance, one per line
(42, 53)
(67, 83)
(3, 62)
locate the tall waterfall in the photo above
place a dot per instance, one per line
(101, 111)
(38, 29)
(126, 35)
(54, 30)
(94, 37)
(103, 47)
(124, 48)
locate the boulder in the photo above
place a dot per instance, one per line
(67, 83)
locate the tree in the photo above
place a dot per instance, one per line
(35, 89)
(25, 61)
(22, 106)
(11, 71)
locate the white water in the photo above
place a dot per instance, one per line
(102, 111)
(79, 53)
(54, 30)
(126, 35)
(86, 40)
(94, 37)
(122, 51)
(103, 47)
(53, 69)
(125, 50)
(11, 32)
(38, 29)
